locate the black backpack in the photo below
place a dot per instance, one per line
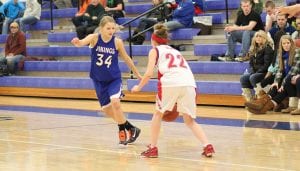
(3, 68)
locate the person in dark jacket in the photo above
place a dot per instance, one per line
(159, 15)
(261, 55)
(88, 22)
(15, 48)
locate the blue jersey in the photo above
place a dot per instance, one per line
(105, 65)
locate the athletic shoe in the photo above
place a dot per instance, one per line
(122, 137)
(208, 150)
(150, 153)
(133, 134)
(226, 58)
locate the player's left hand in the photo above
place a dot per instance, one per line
(135, 88)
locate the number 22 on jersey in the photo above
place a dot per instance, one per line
(177, 61)
(100, 61)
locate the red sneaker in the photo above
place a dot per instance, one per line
(208, 150)
(150, 153)
(122, 137)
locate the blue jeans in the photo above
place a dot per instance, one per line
(12, 62)
(172, 25)
(6, 25)
(243, 37)
(24, 21)
(250, 80)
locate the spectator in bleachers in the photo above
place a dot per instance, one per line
(296, 34)
(159, 15)
(257, 6)
(83, 6)
(31, 15)
(282, 27)
(289, 65)
(295, 83)
(12, 10)
(182, 16)
(242, 31)
(15, 48)
(261, 55)
(271, 15)
(88, 22)
(115, 8)
(63, 4)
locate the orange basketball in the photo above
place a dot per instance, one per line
(170, 115)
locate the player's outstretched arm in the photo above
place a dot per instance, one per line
(149, 72)
(291, 11)
(126, 58)
(90, 39)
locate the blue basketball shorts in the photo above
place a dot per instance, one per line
(107, 90)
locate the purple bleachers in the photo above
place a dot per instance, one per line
(61, 37)
(137, 8)
(203, 87)
(47, 82)
(220, 4)
(209, 49)
(59, 13)
(126, 19)
(3, 37)
(42, 25)
(210, 67)
(179, 34)
(65, 66)
(56, 51)
(217, 17)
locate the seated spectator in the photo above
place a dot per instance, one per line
(89, 21)
(282, 27)
(247, 23)
(159, 15)
(114, 8)
(63, 4)
(31, 15)
(83, 6)
(257, 6)
(296, 34)
(182, 16)
(289, 65)
(15, 48)
(271, 15)
(261, 55)
(295, 83)
(12, 10)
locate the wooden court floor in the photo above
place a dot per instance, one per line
(35, 136)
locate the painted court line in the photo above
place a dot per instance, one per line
(137, 155)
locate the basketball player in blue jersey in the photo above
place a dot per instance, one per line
(106, 75)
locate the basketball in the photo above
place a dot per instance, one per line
(297, 43)
(170, 115)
